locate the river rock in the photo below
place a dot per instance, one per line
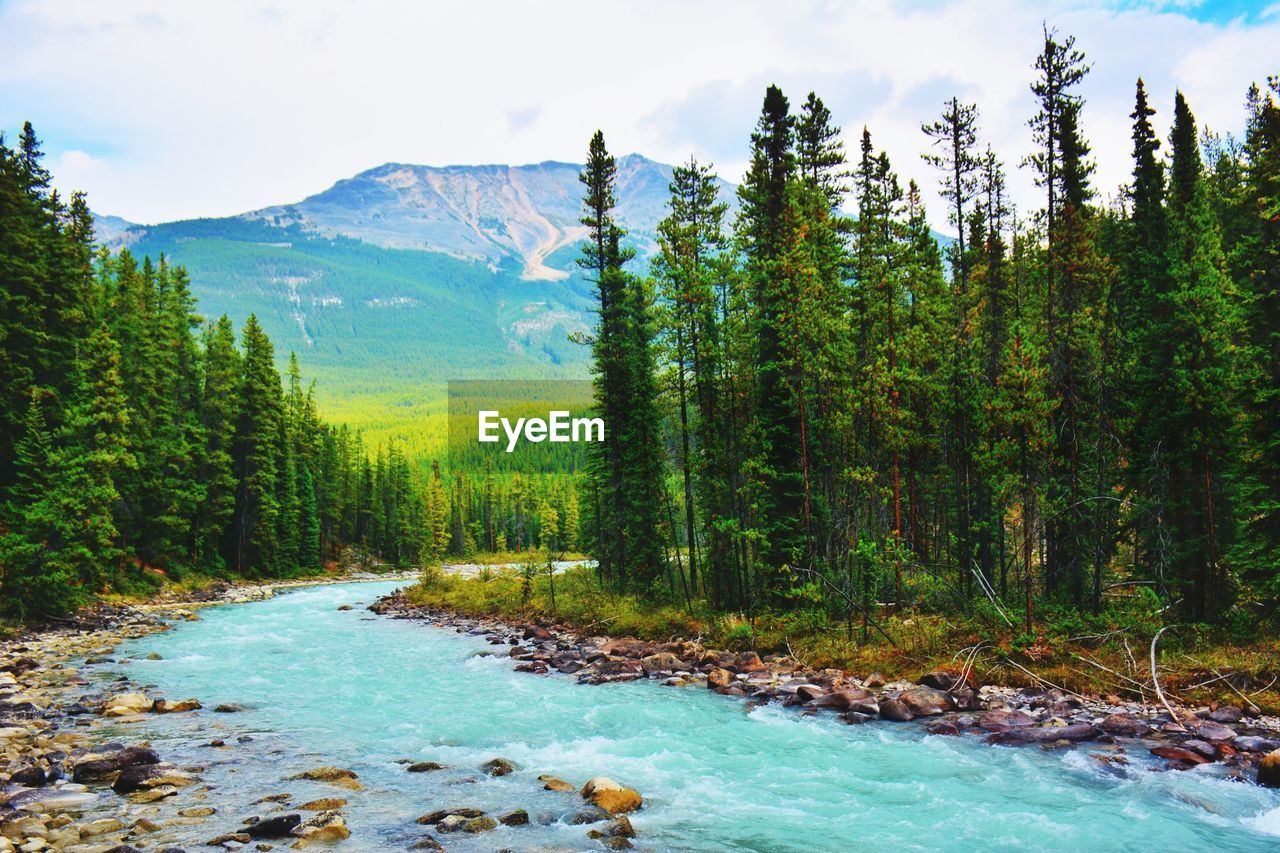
(748, 662)
(942, 727)
(1226, 714)
(435, 817)
(324, 804)
(31, 776)
(927, 701)
(1124, 726)
(498, 767)
(333, 775)
(322, 826)
(1044, 734)
(519, 817)
(150, 776)
(1253, 743)
(95, 769)
(999, 721)
(126, 704)
(276, 826)
(101, 826)
(719, 677)
(940, 680)
(603, 792)
(1269, 770)
(424, 767)
(229, 708)
(164, 706)
(616, 669)
(895, 710)
(1178, 755)
(45, 800)
(1214, 731)
(537, 632)
(627, 647)
(661, 663)
(476, 824)
(552, 783)
(842, 700)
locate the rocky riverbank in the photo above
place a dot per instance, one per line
(75, 777)
(944, 703)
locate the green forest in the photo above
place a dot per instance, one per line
(812, 406)
(1069, 408)
(139, 444)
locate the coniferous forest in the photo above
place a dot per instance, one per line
(1065, 407)
(812, 405)
(139, 443)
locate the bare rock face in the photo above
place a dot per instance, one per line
(606, 794)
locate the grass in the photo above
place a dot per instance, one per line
(1196, 666)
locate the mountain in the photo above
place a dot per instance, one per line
(393, 281)
(492, 214)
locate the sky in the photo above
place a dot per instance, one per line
(173, 109)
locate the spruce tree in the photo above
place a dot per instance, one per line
(256, 458)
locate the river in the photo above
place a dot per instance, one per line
(348, 688)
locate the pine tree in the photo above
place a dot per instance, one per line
(219, 415)
(256, 458)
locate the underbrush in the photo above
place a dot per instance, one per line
(1105, 654)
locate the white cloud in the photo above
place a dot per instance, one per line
(211, 109)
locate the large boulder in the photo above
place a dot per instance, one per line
(927, 701)
(1269, 770)
(606, 794)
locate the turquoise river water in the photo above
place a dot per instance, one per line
(360, 691)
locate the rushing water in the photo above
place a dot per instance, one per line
(348, 688)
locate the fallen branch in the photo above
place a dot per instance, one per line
(1227, 681)
(1045, 680)
(1142, 688)
(1156, 681)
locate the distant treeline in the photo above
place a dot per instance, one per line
(134, 441)
(1084, 402)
